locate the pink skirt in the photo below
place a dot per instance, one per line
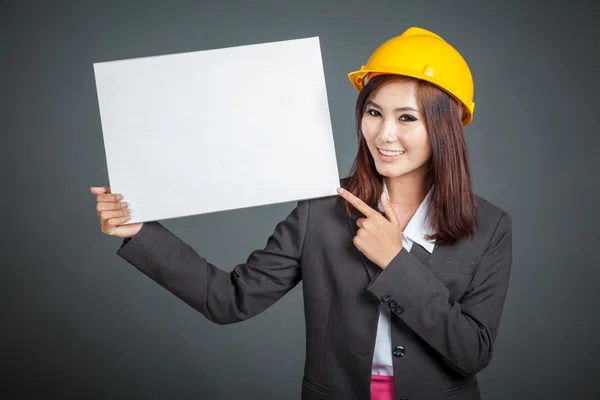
(382, 387)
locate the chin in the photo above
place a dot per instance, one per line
(389, 171)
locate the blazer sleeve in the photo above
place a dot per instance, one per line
(222, 297)
(463, 332)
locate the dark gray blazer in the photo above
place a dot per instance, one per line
(446, 306)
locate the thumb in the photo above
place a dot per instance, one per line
(387, 208)
(100, 190)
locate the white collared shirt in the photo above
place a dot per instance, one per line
(415, 231)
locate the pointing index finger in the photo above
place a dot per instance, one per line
(357, 203)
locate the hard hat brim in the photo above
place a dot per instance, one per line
(357, 78)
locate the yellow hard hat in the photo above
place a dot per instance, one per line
(422, 54)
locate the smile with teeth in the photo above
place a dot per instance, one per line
(391, 153)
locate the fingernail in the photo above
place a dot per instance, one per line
(124, 205)
(340, 190)
(119, 197)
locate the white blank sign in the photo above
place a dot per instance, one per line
(215, 130)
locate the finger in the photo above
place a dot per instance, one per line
(104, 206)
(100, 189)
(360, 222)
(111, 230)
(109, 198)
(109, 224)
(357, 243)
(106, 215)
(387, 208)
(357, 203)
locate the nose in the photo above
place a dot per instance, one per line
(387, 133)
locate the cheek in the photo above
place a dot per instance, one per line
(419, 140)
(369, 129)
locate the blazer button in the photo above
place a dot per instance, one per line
(386, 297)
(398, 351)
(399, 310)
(392, 304)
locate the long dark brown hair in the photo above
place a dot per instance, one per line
(453, 212)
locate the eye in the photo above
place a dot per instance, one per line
(373, 113)
(407, 118)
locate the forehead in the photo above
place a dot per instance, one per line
(396, 94)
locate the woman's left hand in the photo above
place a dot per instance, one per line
(378, 238)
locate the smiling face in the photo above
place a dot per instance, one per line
(395, 131)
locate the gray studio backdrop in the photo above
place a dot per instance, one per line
(78, 322)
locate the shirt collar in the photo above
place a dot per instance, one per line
(419, 225)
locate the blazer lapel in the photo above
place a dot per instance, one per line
(419, 252)
(370, 266)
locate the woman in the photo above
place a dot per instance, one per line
(404, 273)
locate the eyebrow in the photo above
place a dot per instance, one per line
(397, 109)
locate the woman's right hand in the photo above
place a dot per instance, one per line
(113, 213)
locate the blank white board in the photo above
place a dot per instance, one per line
(215, 130)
